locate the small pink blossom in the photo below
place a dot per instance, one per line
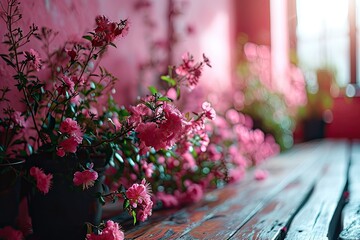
(148, 168)
(33, 59)
(209, 111)
(236, 174)
(71, 53)
(68, 145)
(189, 70)
(194, 192)
(138, 193)
(106, 31)
(8, 233)
(260, 174)
(85, 178)
(43, 181)
(137, 113)
(66, 85)
(76, 100)
(168, 200)
(60, 152)
(140, 199)
(110, 232)
(17, 118)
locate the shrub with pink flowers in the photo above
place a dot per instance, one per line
(273, 109)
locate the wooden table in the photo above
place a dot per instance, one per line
(312, 192)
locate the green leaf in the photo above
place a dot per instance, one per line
(165, 99)
(30, 148)
(51, 123)
(112, 44)
(7, 60)
(118, 157)
(126, 204)
(134, 216)
(87, 37)
(153, 90)
(169, 80)
(102, 200)
(178, 93)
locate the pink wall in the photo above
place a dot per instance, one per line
(346, 115)
(213, 28)
(253, 18)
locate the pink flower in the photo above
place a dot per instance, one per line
(140, 199)
(43, 181)
(260, 174)
(69, 84)
(168, 200)
(137, 112)
(144, 212)
(69, 145)
(194, 192)
(17, 118)
(71, 53)
(33, 59)
(209, 111)
(236, 174)
(138, 193)
(110, 232)
(85, 178)
(148, 168)
(189, 70)
(164, 134)
(150, 135)
(69, 126)
(106, 31)
(8, 233)
(60, 152)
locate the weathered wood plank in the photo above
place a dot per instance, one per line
(234, 205)
(316, 219)
(351, 212)
(272, 221)
(242, 208)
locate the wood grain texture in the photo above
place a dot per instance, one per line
(316, 219)
(223, 212)
(243, 207)
(351, 212)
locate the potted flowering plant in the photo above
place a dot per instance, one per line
(10, 166)
(66, 144)
(68, 140)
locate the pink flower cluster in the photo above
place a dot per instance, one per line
(111, 231)
(163, 131)
(225, 158)
(106, 31)
(43, 181)
(140, 199)
(74, 137)
(190, 70)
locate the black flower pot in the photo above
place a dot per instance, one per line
(10, 186)
(63, 212)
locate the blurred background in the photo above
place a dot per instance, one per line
(291, 65)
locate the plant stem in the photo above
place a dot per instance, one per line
(14, 43)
